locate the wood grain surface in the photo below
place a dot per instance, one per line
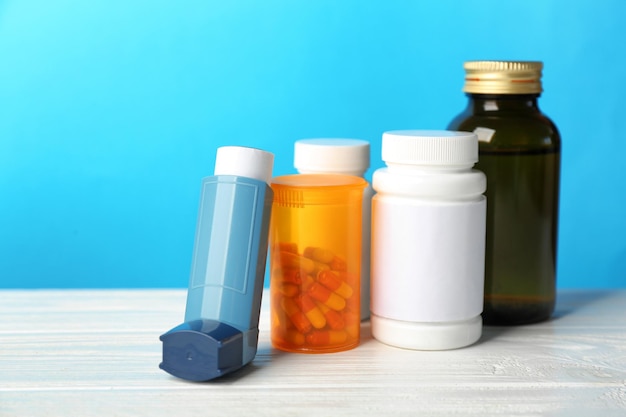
(96, 353)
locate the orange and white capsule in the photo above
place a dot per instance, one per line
(326, 296)
(326, 337)
(297, 317)
(333, 318)
(293, 260)
(331, 281)
(311, 311)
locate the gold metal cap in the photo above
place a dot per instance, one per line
(503, 77)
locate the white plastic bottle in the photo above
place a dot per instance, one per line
(348, 157)
(428, 241)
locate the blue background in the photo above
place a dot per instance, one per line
(111, 112)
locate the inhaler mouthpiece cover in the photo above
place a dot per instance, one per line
(201, 350)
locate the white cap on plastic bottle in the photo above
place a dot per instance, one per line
(429, 147)
(244, 162)
(332, 155)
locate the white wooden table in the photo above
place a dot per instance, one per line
(96, 353)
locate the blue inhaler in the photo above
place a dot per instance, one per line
(221, 327)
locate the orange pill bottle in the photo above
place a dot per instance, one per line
(315, 262)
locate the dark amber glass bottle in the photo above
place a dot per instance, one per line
(519, 151)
